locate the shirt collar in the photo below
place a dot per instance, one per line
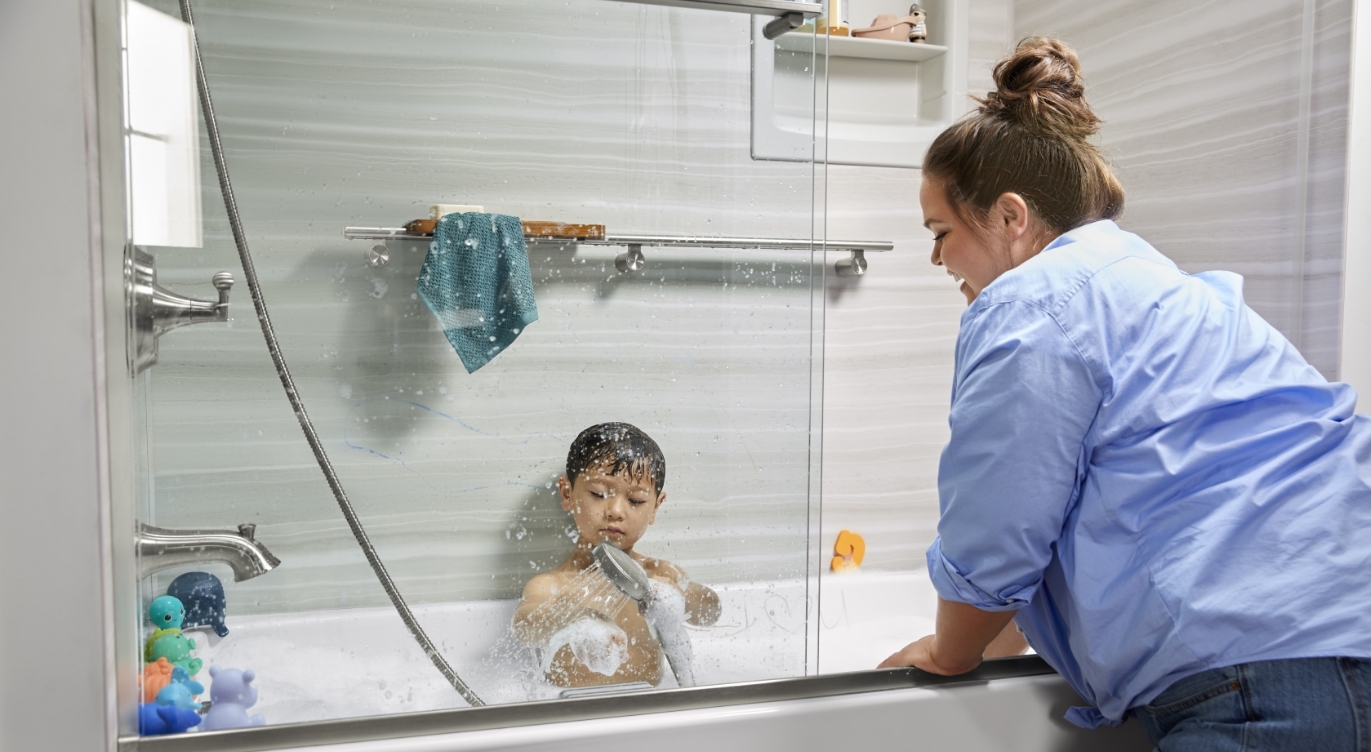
(1067, 238)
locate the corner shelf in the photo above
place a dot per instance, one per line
(880, 103)
(870, 49)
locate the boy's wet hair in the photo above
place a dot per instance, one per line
(620, 446)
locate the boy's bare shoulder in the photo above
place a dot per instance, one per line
(545, 585)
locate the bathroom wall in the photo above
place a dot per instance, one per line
(628, 115)
(888, 346)
(52, 399)
(1203, 123)
(1227, 123)
(634, 116)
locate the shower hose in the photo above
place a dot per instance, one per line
(277, 359)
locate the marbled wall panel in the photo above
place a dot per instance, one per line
(888, 348)
(1323, 281)
(652, 137)
(360, 114)
(1201, 103)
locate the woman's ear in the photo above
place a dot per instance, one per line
(1012, 214)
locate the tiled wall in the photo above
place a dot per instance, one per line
(1202, 105)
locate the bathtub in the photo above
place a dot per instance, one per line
(357, 674)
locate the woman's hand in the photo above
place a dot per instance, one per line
(963, 634)
(921, 655)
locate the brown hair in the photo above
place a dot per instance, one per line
(1030, 137)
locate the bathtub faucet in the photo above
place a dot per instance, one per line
(160, 549)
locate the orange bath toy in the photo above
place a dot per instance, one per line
(156, 675)
(160, 674)
(848, 552)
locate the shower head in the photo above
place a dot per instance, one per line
(626, 574)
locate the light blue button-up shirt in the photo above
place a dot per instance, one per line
(1150, 474)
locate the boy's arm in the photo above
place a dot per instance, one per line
(543, 611)
(702, 605)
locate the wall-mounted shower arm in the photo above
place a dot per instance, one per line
(789, 14)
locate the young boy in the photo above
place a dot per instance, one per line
(613, 489)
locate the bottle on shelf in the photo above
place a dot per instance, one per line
(834, 20)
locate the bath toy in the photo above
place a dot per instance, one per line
(166, 614)
(848, 552)
(177, 695)
(156, 720)
(918, 33)
(156, 675)
(231, 694)
(161, 673)
(177, 649)
(203, 595)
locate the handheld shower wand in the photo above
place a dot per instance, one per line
(626, 574)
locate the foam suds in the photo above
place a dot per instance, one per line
(666, 615)
(601, 645)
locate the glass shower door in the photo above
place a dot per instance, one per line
(684, 302)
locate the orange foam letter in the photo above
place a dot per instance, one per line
(848, 552)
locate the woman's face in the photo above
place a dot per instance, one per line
(973, 258)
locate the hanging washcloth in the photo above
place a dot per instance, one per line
(476, 280)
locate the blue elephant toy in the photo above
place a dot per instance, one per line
(181, 691)
(156, 720)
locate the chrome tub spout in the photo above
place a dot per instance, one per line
(160, 549)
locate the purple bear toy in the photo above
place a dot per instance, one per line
(231, 694)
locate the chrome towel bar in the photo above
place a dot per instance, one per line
(633, 259)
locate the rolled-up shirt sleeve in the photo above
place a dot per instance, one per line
(1023, 402)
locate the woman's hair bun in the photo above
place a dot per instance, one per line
(1040, 87)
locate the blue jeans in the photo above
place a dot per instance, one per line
(1304, 704)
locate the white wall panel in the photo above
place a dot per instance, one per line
(1205, 117)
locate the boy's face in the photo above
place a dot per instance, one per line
(614, 508)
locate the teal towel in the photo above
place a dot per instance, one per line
(476, 280)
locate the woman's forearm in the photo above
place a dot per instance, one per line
(1010, 642)
(963, 634)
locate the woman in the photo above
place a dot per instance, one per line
(1144, 475)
